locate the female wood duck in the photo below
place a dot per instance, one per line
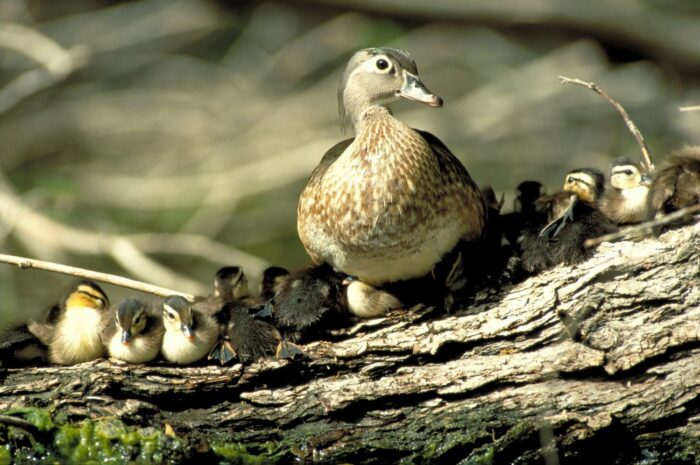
(190, 333)
(561, 241)
(625, 200)
(135, 334)
(73, 329)
(676, 183)
(388, 204)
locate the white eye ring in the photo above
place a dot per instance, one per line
(382, 64)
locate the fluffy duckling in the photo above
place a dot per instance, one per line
(308, 298)
(562, 239)
(19, 347)
(272, 279)
(676, 182)
(387, 205)
(135, 333)
(244, 336)
(625, 201)
(73, 329)
(189, 335)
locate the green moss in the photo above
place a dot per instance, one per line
(238, 454)
(90, 442)
(5, 455)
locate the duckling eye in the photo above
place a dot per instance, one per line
(382, 64)
(170, 316)
(570, 179)
(628, 172)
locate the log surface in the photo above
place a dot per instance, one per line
(606, 352)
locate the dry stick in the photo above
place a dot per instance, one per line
(643, 227)
(691, 108)
(628, 121)
(115, 280)
(19, 423)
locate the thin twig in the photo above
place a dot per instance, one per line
(690, 108)
(24, 263)
(643, 228)
(628, 121)
(19, 423)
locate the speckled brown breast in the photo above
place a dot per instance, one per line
(388, 204)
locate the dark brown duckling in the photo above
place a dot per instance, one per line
(625, 200)
(19, 347)
(308, 299)
(272, 279)
(676, 183)
(561, 241)
(387, 205)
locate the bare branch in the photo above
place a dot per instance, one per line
(56, 62)
(645, 228)
(690, 108)
(628, 121)
(115, 280)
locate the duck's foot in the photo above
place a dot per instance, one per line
(366, 301)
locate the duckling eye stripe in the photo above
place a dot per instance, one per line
(169, 308)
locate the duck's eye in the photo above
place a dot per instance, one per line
(170, 316)
(628, 172)
(570, 180)
(382, 64)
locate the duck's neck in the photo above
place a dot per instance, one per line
(369, 117)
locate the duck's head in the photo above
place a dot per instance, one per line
(87, 294)
(177, 316)
(626, 174)
(131, 318)
(230, 283)
(587, 183)
(378, 77)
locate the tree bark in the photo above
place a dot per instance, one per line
(599, 361)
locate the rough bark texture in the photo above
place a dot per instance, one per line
(599, 361)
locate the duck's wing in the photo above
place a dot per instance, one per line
(328, 159)
(454, 171)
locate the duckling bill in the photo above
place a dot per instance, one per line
(388, 204)
(189, 333)
(135, 333)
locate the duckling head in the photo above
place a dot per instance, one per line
(86, 294)
(587, 183)
(230, 283)
(131, 319)
(626, 174)
(378, 77)
(177, 316)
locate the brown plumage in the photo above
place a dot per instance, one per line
(625, 199)
(676, 182)
(388, 204)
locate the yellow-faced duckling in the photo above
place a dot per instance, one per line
(676, 183)
(135, 334)
(388, 204)
(73, 329)
(562, 240)
(625, 200)
(190, 334)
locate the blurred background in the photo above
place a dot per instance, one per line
(161, 139)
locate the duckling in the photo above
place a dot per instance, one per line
(562, 239)
(19, 347)
(241, 334)
(388, 204)
(73, 329)
(308, 299)
(625, 201)
(676, 183)
(189, 335)
(135, 333)
(272, 279)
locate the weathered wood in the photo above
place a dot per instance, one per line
(606, 352)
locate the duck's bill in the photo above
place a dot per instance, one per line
(126, 337)
(414, 89)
